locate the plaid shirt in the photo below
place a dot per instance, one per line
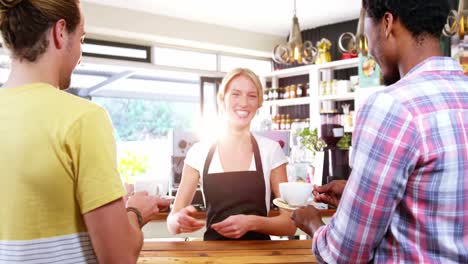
(406, 200)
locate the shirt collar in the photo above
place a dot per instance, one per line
(435, 64)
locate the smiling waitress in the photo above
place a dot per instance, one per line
(237, 172)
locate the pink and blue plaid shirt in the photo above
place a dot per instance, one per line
(406, 200)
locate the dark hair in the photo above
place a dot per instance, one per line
(418, 16)
(25, 23)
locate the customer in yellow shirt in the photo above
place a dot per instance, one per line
(59, 186)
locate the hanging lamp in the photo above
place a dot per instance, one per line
(295, 51)
(354, 43)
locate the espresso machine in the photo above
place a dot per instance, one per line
(181, 143)
(336, 160)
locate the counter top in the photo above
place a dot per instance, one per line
(202, 214)
(279, 251)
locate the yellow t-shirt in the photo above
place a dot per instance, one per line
(57, 162)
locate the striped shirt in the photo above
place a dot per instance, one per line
(406, 200)
(68, 249)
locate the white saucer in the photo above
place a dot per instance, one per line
(284, 205)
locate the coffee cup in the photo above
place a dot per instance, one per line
(296, 193)
(151, 186)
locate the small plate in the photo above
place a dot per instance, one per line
(284, 205)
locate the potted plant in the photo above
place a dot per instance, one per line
(311, 141)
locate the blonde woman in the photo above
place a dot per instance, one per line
(237, 172)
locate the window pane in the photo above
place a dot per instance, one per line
(141, 131)
(184, 59)
(260, 67)
(114, 51)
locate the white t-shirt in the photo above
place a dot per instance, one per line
(270, 152)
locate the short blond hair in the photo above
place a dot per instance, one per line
(237, 72)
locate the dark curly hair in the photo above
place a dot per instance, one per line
(25, 23)
(420, 17)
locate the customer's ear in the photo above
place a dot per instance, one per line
(59, 33)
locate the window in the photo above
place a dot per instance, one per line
(141, 129)
(115, 50)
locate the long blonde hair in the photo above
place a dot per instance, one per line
(237, 72)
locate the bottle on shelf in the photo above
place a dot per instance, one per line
(288, 122)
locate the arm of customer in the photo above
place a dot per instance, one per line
(237, 225)
(308, 219)
(181, 219)
(385, 145)
(115, 233)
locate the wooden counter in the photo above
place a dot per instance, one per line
(226, 252)
(202, 215)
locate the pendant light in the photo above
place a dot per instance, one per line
(295, 51)
(457, 22)
(354, 43)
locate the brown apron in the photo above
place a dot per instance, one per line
(233, 193)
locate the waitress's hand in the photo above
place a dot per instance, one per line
(235, 226)
(185, 221)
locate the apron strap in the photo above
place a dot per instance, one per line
(208, 159)
(256, 152)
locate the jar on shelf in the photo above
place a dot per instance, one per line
(323, 88)
(266, 94)
(301, 89)
(280, 93)
(329, 88)
(272, 94)
(288, 122)
(282, 122)
(276, 122)
(308, 89)
(286, 92)
(293, 91)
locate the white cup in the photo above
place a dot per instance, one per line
(296, 193)
(151, 186)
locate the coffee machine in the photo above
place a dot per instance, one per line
(336, 160)
(181, 143)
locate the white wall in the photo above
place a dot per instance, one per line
(118, 24)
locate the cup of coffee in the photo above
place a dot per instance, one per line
(151, 186)
(296, 193)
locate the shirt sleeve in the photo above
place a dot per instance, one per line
(385, 154)
(92, 148)
(277, 155)
(196, 156)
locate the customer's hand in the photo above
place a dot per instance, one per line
(307, 219)
(185, 222)
(235, 226)
(148, 206)
(329, 193)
